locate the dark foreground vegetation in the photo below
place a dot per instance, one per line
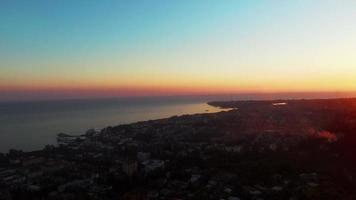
(295, 149)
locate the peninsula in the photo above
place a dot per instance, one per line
(277, 149)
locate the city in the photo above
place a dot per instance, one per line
(293, 149)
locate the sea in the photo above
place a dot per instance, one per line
(30, 125)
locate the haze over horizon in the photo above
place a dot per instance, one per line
(66, 49)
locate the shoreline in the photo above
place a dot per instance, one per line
(261, 149)
(110, 116)
(223, 106)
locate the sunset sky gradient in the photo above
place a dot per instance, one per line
(157, 47)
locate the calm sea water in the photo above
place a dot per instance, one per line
(32, 125)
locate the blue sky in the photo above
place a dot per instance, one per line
(232, 45)
(51, 27)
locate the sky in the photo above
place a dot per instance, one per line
(66, 48)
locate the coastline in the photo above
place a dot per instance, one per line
(262, 149)
(31, 127)
(221, 106)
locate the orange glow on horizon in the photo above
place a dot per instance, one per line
(159, 90)
(175, 85)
